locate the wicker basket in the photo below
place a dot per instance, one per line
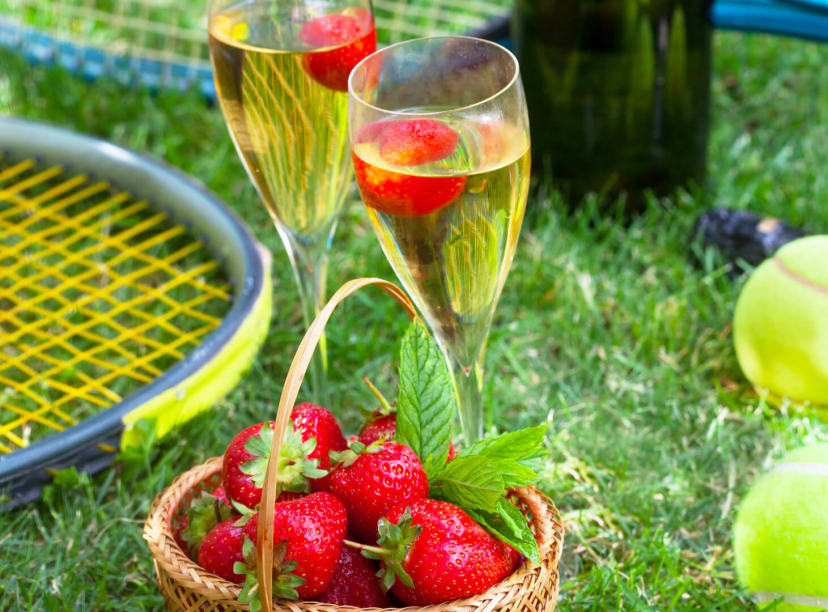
(186, 586)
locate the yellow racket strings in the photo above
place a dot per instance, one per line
(99, 294)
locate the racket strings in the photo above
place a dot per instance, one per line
(99, 295)
(166, 38)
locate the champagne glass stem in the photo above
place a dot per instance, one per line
(468, 385)
(310, 266)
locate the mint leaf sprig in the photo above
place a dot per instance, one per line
(426, 404)
(479, 478)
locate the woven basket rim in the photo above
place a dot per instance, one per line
(168, 555)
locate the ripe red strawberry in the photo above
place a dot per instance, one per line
(355, 583)
(313, 421)
(314, 433)
(221, 548)
(381, 428)
(238, 484)
(311, 530)
(384, 427)
(203, 514)
(353, 38)
(412, 142)
(286, 496)
(445, 554)
(404, 195)
(371, 483)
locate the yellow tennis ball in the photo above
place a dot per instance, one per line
(781, 533)
(780, 327)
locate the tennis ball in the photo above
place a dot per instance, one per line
(781, 533)
(780, 326)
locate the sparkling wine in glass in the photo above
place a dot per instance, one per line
(440, 146)
(281, 71)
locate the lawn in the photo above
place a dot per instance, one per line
(609, 330)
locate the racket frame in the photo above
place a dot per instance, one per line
(203, 376)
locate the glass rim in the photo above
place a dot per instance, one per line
(353, 95)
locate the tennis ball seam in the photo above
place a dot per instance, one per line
(798, 278)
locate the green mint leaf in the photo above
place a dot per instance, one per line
(524, 445)
(426, 402)
(514, 474)
(509, 525)
(469, 482)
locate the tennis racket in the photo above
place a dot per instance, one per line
(127, 291)
(163, 43)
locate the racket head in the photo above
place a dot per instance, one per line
(166, 47)
(207, 371)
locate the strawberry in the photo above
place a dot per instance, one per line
(353, 38)
(432, 551)
(372, 480)
(245, 463)
(381, 428)
(314, 433)
(412, 142)
(313, 421)
(404, 195)
(203, 514)
(354, 583)
(307, 537)
(221, 549)
(384, 427)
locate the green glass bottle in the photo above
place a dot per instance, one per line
(618, 93)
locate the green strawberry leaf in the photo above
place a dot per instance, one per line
(204, 513)
(285, 582)
(247, 548)
(294, 466)
(509, 525)
(469, 482)
(259, 444)
(245, 512)
(395, 540)
(426, 403)
(250, 589)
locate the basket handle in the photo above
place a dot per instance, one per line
(264, 540)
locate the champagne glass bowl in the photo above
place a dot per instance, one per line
(281, 70)
(440, 146)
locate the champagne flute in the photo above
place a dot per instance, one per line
(440, 146)
(281, 70)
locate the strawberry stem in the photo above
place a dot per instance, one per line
(372, 549)
(217, 510)
(386, 407)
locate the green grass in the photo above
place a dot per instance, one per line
(610, 330)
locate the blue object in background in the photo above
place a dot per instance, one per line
(799, 18)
